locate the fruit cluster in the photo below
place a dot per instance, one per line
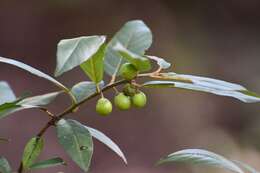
(130, 96)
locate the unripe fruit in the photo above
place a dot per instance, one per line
(122, 101)
(128, 71)
(129, 90)
(103, 106)
(139, 100)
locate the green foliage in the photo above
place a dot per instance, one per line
(135, 36)
(77, 142)
(4, 165)
(48, 163)
(31, 151)
(126, 55)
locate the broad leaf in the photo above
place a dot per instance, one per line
(6, 93)
(140, 63)
(84, 89)
(27, 103)
(135, 36)
(107, 141)
(31, 151)
(32, 70)
(160, 61)
(205, 84)
(73, 52)
(203, 157)
(94, 66)
(77, 142)
(48, 163)
(4, 165)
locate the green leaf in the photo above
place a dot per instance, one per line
(205, 84)
(73, 52)
(94, 66)
(84, 89)
(32, 70)
(6, 93)
(140, 63)
(77, 142)
(4, 165)
(31, 151)
(27, 103)
(107, 141)
(135, 36)
(48, 163)
(160, 61)
(246, 167)
(202, 157)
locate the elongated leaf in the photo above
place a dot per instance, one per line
(73, 52)
(84, 89)
(203, 157)
(4, 165)
(77, 142)
(246, 167)
(141, 63)
(94, 66)
(135, 36)
(107, 141)
(31, 151)
(6, 93)
(48, 163)
(27, 103)
(205, 84)
(160, 61)
(32, 70)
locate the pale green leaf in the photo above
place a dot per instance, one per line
(48, 163)
(202, 157)
(6, 93)
(246, 167)
(107, 141)
(73, 52)
(160, 61)
(94, 66)
(32, 70)
(205, 84)
(140, 63)
(84, 89)
(31, 151)
(4, 165)
(135, 36)
(77, 142)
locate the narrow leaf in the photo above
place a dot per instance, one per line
(6, 93)
(203, 157)
(4, 165)
(48, 163)
(135, 36)
(246, 167)
(84, 89)
(94, 66)
(73, 52)
(205, 84)
(107, 141)
(160, 61)
(31, 151)
(77, 142)
(141, 63)
(32, 70)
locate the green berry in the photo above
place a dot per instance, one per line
(129, 90)
(139, 100)
(103, 106)
(128, 71)
(122, 101)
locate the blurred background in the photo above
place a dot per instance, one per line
(218, 39)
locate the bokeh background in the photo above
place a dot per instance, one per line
(212, 38)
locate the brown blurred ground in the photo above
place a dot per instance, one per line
(213, 38)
